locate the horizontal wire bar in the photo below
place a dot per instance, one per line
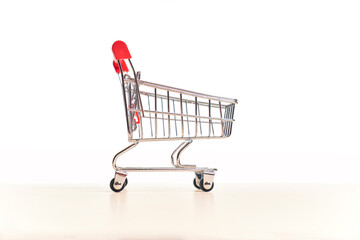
(178, 90)
(166, 169)
(184, 100)
(184, 115)
(174, 138)
(179, 120)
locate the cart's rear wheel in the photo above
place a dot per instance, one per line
(117, 190)
(195, 185)
(205, 187)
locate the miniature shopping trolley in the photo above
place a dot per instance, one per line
(156, 112)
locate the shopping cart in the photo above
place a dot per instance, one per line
(156, 112)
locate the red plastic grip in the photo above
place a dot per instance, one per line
(120, 50)
(123, 66)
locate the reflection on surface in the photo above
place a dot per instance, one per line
(202, 208)
(118, 202)
(244, 211)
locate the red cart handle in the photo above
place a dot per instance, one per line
(123, 66)
(120, 50)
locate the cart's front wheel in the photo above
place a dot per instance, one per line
(206, 187)
(117, 190)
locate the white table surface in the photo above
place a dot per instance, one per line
(174, 212)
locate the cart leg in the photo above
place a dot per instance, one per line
(179, 150)
(119, 182)
(116, 168)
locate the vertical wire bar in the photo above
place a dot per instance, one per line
(222, 122)
(196, 117)
(141, 127)
(138, 128)
(212, 126)
(209, 117)
(155, 100)
(138, 131)
(187, 113)
(140, 119)
(227, 122)
(182, 118)
(232, 117)
(163, 122)
(200, 120)
(136, 106)
(131, 114)
(168, 105)
(129, 94)
(175, 117)
(150, 116)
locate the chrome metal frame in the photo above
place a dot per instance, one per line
(198, 126)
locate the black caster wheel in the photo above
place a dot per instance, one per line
(203, 188)
(195, 185)
(118, 190)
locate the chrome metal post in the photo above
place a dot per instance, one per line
(168, 105)
(222, 122)
(196, 128)
(155, 102)
(209, 117)
(187, 118)
(116, 168)
(163, 123)
(182, 118)
(179, 150)
(150, 116)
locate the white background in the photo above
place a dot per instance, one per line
(293, 66)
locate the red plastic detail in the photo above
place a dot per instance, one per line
(136, 116)
(116, 66)
(123, 66)
(120, 50)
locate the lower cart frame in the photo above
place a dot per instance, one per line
(203, 180)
